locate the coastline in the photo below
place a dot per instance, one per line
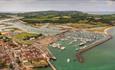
(81, 51)
(106, 30)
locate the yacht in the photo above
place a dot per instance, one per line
(54, 45)
(77, 49)
(71, 42)
(68, 60)
(81, 44)
(62, 48)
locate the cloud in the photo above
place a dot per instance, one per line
(111, 2)
(40, 5)
(15, 1)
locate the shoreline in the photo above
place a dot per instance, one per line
(81, 51)
(106, 30)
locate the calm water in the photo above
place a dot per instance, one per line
(101, 57)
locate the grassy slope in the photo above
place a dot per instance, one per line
(24, 38)
(62, 17)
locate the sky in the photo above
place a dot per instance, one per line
(59, 5)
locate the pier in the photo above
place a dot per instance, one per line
(52, 56)
(51, 65)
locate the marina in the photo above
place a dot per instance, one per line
(57, 35)
(69, 45)
(98, 53)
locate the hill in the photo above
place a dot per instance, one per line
(63, 17)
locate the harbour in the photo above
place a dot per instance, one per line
(57, 35)
(68, 44)
(94, 58)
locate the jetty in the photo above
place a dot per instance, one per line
(51, 65)
(51, 54)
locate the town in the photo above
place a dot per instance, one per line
(21, 49)
(57, 34)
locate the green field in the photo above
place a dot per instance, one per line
(25, 38)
